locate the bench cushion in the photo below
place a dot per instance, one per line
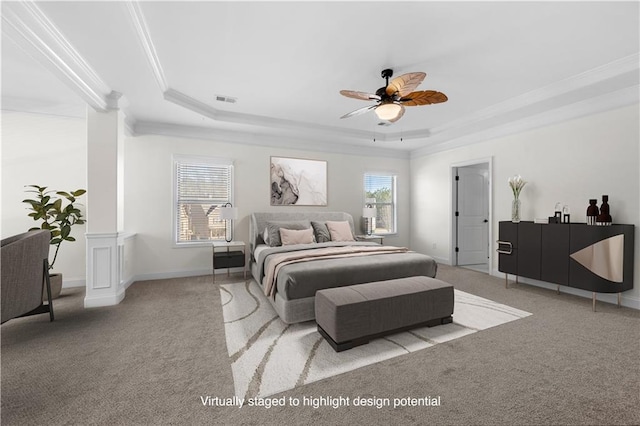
(363, 311)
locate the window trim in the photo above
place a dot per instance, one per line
(178, 158)
(394, 203)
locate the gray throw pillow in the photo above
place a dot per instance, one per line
(321, 232)
(273, 229)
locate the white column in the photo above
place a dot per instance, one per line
(104, 137)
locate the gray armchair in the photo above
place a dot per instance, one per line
(25, 272)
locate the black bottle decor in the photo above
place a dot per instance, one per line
(592, 212)
(604, 218)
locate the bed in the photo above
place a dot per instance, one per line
(295, 283)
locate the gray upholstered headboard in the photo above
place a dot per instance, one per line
(259, 221)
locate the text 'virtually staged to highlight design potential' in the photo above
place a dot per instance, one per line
(320, 212)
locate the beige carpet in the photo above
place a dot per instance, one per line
(269, 356)
(149, 360)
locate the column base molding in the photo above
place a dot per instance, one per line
(98, 301)
(103, 284)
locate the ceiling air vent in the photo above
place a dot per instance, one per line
(228, 99)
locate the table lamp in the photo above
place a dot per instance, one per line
(228, 212)
(368, 213)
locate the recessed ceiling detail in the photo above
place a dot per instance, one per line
(506, 67)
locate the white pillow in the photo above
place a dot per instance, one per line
(295, 236)
(340, 231)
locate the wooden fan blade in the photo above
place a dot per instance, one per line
(359, 95)
(423, 97)
(359, 111)
(399, 116)
(404, 84)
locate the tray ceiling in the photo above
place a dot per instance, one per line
(503, 65)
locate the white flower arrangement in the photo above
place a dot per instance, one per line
(516, 183)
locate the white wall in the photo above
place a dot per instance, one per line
(569, 162)
(148, 195)
(48, 151)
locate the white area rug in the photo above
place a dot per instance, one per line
(269, 356)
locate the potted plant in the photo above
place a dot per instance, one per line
(57, 212)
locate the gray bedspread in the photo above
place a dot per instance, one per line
(301, 280)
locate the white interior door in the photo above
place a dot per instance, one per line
(473, 215)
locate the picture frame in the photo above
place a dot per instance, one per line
(298, 182)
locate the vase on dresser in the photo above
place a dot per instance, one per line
(516, 183)
(515, 210)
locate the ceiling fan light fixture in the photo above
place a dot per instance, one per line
(395, 96)
(388, 111)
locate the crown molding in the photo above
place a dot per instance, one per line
(129, 126)
(181, 99)
(144, 36)
(457, 131)
(437, 143)
(307, 142)
(192, 104)
(482, 118)
(29, 27)
(574, 83)
(29, 106)
(609, 101)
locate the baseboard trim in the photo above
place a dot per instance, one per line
(76, 282)
(126, 283)
(443, 260)
(612, 298)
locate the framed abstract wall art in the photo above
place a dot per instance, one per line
(298, 182)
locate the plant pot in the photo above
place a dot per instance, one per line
(56, 287)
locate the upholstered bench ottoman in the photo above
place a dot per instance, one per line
(351, 316)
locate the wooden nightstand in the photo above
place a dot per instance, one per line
(229, 258)
(370, 237)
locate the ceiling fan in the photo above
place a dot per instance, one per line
(397, 94)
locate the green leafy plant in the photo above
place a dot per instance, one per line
(49, 208)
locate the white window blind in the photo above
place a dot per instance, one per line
(202, 186)
(380, 193)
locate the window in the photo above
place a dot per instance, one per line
(202, 185)
(380, 192)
